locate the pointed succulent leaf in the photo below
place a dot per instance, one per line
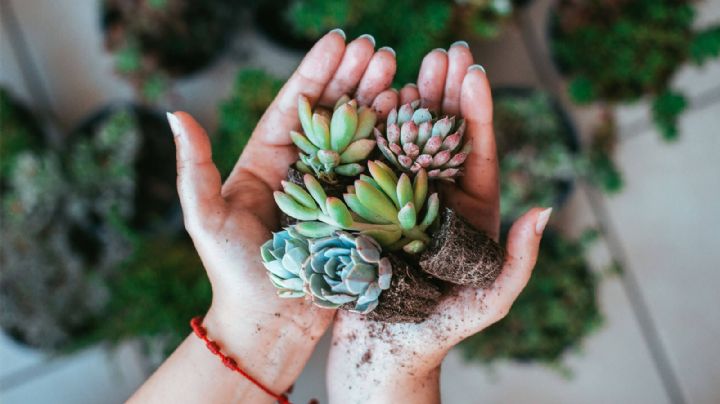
(408, 132)
(421, 115)
(357, 151)
(303, 143)
(414, 247)
(384, 178)
(404, 190)
(315, 189)
(441, 158)
(299, 194)
(343, 126)
(392, 117)
(321, 131)
(342, 100)
(337, 210)
(349, 170)
(369, 180)
(361, 210)
(302, 167)
(382, 236)
(424, 133)
(420, 189)
(328, 157)
(457, 160)
(366, 123)
(405, 114)
(367, 248)
(451, 142)
(393, 134)
(305, 115)
(382, 145)
(387, 169)
(407, 216)
(432, 212)
(315, 229)
(293, 208)
(376, 201)
(432, 145)
(442, 127)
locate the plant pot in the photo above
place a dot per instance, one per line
(562, 187)
(156, 199)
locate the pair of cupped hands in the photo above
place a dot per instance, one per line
(273, 337)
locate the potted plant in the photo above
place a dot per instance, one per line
(637, 46)
(426, 24)
(557, 310)
(155, 41)
(20, 131)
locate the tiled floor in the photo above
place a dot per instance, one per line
(666, 220)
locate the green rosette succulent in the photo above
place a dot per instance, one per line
(414, 140)
(382, 206)
(345, 268)
(284, 256)
(334, 143)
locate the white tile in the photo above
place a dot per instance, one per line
(15, 357)
(707, 13)
(92, 376)
(667, 218)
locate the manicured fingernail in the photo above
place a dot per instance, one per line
(387, 49)
(395, 90)
(440, 50)
(175, 125)
(460, 43)
(340, 32)
(413, 85)
(542, 221)
(369, 38)
(477, 67)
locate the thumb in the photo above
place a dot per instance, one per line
(198, 180)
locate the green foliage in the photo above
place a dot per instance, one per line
(666, 109)
(636, 48)
(410, 27)
(706, 45)
(155, 40)
(252, 93)
(18, 132)
(555, 312)
(154, 293)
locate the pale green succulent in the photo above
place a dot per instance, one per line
(283, 257)
(414, 140)
(334, 143)
(382, 206)
(345, 268)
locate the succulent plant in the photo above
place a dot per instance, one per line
(382, 206)
(345, 268)
(283, 257)
(334, 143)
(414, 140)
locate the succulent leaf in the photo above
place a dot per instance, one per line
(321, 131)
(385, 179)
(349, 170)
(407, 216)
(303, 143)
(366, 123)
(339, 212)
(299, 194)
(361, 210)
(375, 200)
(305, 115)
(357, 151)
(283, 256)
(342, 127)
(293, 208)
(404, 190)
(315, 229)
(432, 211)
(420, 189)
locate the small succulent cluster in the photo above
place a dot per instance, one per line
(336, 253)
(413, 141)
(334, 143)
(339, 269)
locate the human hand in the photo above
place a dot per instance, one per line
(229, 222)
(377, 362)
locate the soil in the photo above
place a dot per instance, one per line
(337, 189)
(412, 296)
(460, 254)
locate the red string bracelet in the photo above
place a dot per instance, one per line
(201, 332)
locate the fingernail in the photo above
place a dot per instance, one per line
(440, 50)
(175, 125)
(542, 221)
(460, 43)
(477, 67)
(340, 32)
(395, 90)
(413, 85)
(387, 49)
(369, 38)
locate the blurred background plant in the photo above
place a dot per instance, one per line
(20, 132)
(155, 41)
(410, 27)
(637, 47)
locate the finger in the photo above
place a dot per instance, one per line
(459, 59)
(409, 93)
(431, 79)
(481, 167)
(310, 79)
(198, 180)
(354, 62)
(523, 244)
(378, 76)
(384, 102)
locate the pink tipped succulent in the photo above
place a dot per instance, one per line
(414, 140)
